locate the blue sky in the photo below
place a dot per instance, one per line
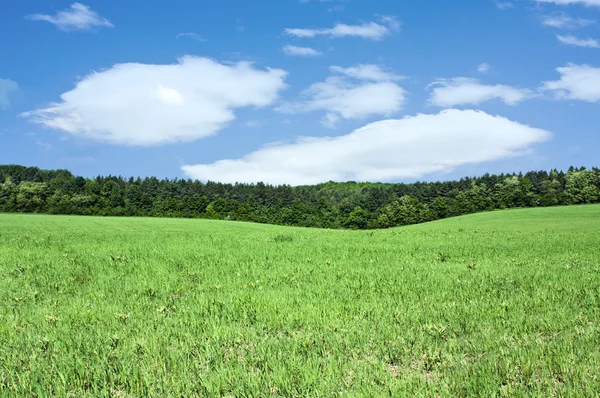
(299, 92)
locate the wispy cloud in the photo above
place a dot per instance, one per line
(253, 123)
(483, 68)
(301, 51)
(468, 91)
(239, 27)
(336, 8)
(503, 5)
(191, 35)
(47, 146)
(575, 41)
(391, 21)
(8, 89)
(77, 17)
(589, 3)
(562, 20)
(366, 72)
(367, 30)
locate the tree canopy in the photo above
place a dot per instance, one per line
(329, 205)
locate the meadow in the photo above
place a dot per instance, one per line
(505, 303)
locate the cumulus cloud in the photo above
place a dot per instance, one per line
(577, 82)
(300, 51)
(362, 91)
(77, 17)
(140, 104)
(382, 151)
(589, 3)
(464, 90)
(368, 30)
(578, 42)
(562, 20)
(8, 89)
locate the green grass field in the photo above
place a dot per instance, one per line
(496, 304)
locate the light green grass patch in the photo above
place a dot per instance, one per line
(494, 304)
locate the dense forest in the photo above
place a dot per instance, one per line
(329, 205)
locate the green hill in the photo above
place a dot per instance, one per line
(502, 303)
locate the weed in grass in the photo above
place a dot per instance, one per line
(283, 238)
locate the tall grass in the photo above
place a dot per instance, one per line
(495, 304)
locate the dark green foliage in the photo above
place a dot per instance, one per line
(357, 219)
(349, 205)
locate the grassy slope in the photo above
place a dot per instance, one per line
(159, 307)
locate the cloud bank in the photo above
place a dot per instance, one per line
(386, 150)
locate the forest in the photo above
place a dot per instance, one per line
(349, 205)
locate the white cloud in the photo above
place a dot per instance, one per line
(387, 150)
(562, 20)
(464, 90)
(338, 8)
(300, 51)
(191, 35)
(139, 104)
(391, 21)
(47, 146)
(8, 89)
(577, 82)
(483, 68)
(78, 17)
(575, 41)
(368, 30)
(253, 123)
(343, 98)
(504, 5)
(366, 72)
(169, 95)
(589, 3)
(239, 27)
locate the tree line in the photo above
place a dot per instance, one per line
(329, 205)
